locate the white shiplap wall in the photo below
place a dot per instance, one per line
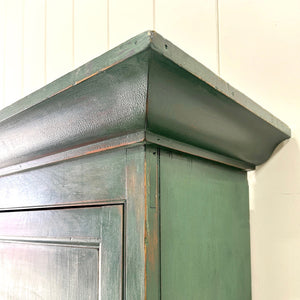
(43, 39)
(253, 44)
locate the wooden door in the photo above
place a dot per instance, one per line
(66, 253)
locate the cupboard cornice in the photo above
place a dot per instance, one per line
(148, 86)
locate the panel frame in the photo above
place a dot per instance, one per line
(109, 244)
(64, 183)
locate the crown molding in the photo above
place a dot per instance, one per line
(145, 84)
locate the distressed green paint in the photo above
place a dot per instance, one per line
(183, 108)
(205, 239)
(67, 183)
(70, 253)
(182, 223)
(152, 231)
(144, 85)
(134, 281)
(136, 45)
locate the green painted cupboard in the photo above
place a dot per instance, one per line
(127, 179)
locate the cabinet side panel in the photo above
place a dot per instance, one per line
(205, 239)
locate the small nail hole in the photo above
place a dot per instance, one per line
(166, 46)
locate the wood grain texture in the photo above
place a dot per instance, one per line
(205, 238)
(44, 272)
(134, 264)
(152, 223)
(99, 177)
(36, 268)
(196, 151)
(102, 146)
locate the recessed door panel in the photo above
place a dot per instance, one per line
(48, 271)
(61, 254)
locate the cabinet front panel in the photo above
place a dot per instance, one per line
(99, 177)
(73, 253)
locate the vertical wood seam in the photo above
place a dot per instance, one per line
(124, 224)
(158, 191)
(218, 36)
(2, 103)
(125, 215)
(99, 269)
(22, 49)
(153, 14)
(73, 34)
(107, 24)
(45, 42)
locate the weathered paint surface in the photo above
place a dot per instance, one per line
(205, 242)
(182, 222)
(109, 104)
(152, 225)
(186, 109)
(61, 253)
(134, 280)
(145, 84)
(67, 183)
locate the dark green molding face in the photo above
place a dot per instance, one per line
(184, 108)
(109, 104)
(145, 85)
